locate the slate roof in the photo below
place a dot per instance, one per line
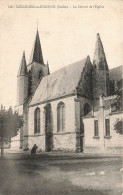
(36, 55)
(99, 59)
(23, 67)
(60, 83)
(116, 73)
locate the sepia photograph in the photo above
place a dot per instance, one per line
(61, 97)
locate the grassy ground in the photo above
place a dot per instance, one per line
(50, 174)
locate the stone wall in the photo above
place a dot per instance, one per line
(39, 140)
(100, 80)
(36, 71)
(17, 141)
(61, 140)
(65, 141)
(22, 89)
(102, 143)
(22, 139)
(116, 140)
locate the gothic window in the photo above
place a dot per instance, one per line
(37, 120)
(61, 117)
(87, 109)
(96, 132)
(107, 127)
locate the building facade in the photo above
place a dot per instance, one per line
(59, 107)
(100, 134)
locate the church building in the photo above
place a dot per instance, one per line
(72, 109)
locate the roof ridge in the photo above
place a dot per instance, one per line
(65, 67)
(116, 67)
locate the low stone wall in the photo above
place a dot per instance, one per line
(92, 149)
(99, 150)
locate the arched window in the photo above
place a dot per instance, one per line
(61, 117)
(87, 109)
(37, 120)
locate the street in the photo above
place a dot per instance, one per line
(55, 174)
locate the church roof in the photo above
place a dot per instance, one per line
(60, 83)
(36, 55)
(23, 67)
(116, 73)
(99, 59)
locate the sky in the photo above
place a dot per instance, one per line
(66, 34)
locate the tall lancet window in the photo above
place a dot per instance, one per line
(60, 117)
(37, 120)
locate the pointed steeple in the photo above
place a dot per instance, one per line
(99, 60)
(37, 51)
(23, 67)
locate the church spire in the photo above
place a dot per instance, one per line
(99, 59)
(37, 51)
(23, 68)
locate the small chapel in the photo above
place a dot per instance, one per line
(73, 108)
